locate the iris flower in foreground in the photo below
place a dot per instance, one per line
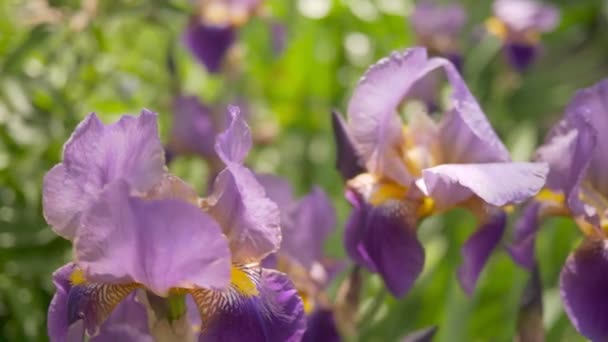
(306, 224)
(144, 243)
(577, 186)
(213, 30)
(399, 174)
(519, 24)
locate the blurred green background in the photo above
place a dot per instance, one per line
(55, 71)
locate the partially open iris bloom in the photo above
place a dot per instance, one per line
(213, 30)
(437, 27)
(519, 24)
(306, 224)
(398, 174)
(577, 186)
(144, 243)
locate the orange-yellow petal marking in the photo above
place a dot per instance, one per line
(497, 27)
(77, 277)
(242, 282)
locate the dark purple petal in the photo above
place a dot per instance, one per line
(422, 335)
(209, 43)
(158, 243)
(524, 15)
(431, 19)
(382, 239)
(354, 231)
(321, 327)
(311, 222)
(192, 131)
(275, 313)
(347, 161)
(477, 250)
(96, 155)
(495, 183)
(57, 323)
(521, 55)
(583, 284)
(522, 248)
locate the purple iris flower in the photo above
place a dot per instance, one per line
(306, 224)
(405, 173)
(437, 27)
(519, 24)
(212, 32)
(143, 241)
(577, 186)
(193, 130)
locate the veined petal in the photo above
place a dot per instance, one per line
(127, 322)
(94, 156)
(209, 43)
(347, 161)
(477, 250)
(273, 312)
(160, 244)
(495, 183)
(192, 130)
(583, 284)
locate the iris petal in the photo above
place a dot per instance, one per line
(276, 313)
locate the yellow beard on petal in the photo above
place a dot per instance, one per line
(496, 27)
(241, 281)
(77, 277)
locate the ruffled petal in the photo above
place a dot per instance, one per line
(158, 243)
(192, 131)
(477, 250)
(209, 43)
(239, 203)
(522, 248)
(583, 284)
(94, 156)
(321, 327)
(310, 224)
(271, 310)
(495, 183)
(347, 161)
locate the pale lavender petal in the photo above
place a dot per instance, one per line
(128, 322)
(522, 249)
(192, 131)
(583, 284)
(432, 19)
(347, 161)
(278, 190)
(275, 313)
(523, 15)
(495, 183)
(310, 224)
(233, 144)
(249, 219)
(158, 243)
(209, 43)
(96, 155)
(374, 126)
(477, 250)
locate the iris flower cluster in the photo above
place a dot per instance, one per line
(152, 260)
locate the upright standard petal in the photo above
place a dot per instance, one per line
(96, 155)
(478, 248)
(159, 243)
(372, 120)
(311, 222)
(209, 43)
(192, 131)
(524, 15)
(583, 284)
(495, 183)
(431, 19)
(238, 202)
(270, 311)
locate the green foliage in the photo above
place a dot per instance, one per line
(52, 75)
